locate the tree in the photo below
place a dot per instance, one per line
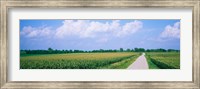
(136, 49)
(139, 50)
(128, 50)
(70, 51)
(173, 50)
(121, 49)
(148, 50)
(101, 50)
(50, 50)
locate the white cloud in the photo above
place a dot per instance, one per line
(86, 28)
(36, 32)
(130, 28)
(171, 31)
(71, 27)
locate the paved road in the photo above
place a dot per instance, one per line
(140, 63)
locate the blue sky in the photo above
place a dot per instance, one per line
(99, 34)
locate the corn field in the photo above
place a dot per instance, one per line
(73, 60)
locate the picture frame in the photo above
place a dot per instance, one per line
(4, 43)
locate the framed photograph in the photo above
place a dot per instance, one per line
(99, 44)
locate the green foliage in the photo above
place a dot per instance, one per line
(72, 61)
(122, 64)
(156, 50)
(139, 50)
(165, 60)
(150, 63)
(121, 49)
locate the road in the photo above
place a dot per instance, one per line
(140, 63)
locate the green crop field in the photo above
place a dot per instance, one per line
(119, 60)
(163, 60)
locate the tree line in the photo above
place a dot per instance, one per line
(52, 51)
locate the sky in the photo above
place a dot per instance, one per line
(99, 34)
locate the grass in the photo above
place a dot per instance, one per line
(122, 64)
(77, 60)
(150, 63)
(164, 60)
